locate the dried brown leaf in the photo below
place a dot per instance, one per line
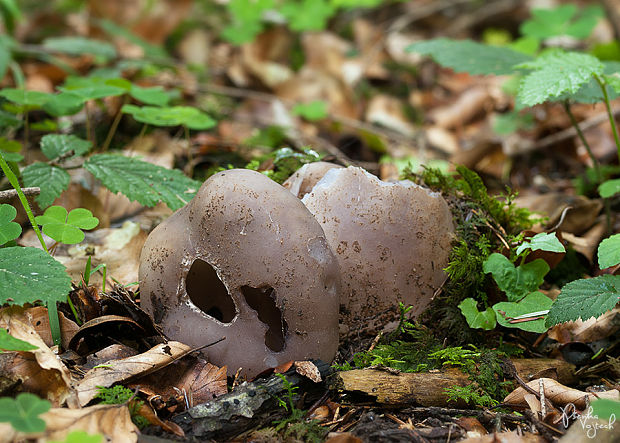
(124, 369)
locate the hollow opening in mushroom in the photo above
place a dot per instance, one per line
(208, 293)
(262, 300)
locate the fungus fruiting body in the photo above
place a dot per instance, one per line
(247, 261)
(303, 180)
(392, 241)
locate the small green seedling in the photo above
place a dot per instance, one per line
(117, 395)
(80, 437)
(66, 227)
(313, 111)
(23, 412)
(9, 230)
(10, 343)
(526, 307)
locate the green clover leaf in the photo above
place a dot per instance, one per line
(66, 228)
(9, 230)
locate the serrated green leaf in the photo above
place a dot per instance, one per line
(9, 230)
(65, 103)
(66, 228)
(29, 274)
(613, 80)
(56, 145)
(80, 46)
(609, 252)
(143, 182)
(518, 281)
(591, 91)
(476, 319)
(188, 116)
(23, 412)
(543, 241)
(151, 96)
(312, 111)
(555, 73)
(468, 56)
(10, 343)
(609, 188)
(533, 302)
(586, 298)
(29, 100)
(51, 179)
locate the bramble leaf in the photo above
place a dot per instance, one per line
(609, 252)
(469, 56)
(518, 281)
(586, 298)
(476, 319)
(312, 111)
(51, 179)
(80, 46)
(66, 228)
(143, 182)
(9, 230)
(544, 241)
(10, 343)
(188, 116)
(555, 73)
(533, 302)
(57, 145)
(30, 274)
(23, 412)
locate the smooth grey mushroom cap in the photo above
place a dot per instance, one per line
(392, 242)
(246, 260)
(305, 178)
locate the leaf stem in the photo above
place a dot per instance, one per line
(52, 314)
(612, 121)
(595, 163)
(22, 198)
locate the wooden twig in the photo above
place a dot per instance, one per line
(10, 194)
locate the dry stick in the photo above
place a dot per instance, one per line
(10, 194)
(568, 132)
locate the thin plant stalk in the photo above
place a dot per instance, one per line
(22, 198)
(115, 122)
(89, 134)
(612, 121)
(595, 163)
(52, 309)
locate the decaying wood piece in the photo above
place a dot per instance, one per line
(428, 388)
(250, 405)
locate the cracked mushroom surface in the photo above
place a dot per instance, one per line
(392, 241)
(305, 178)
(245, 260)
